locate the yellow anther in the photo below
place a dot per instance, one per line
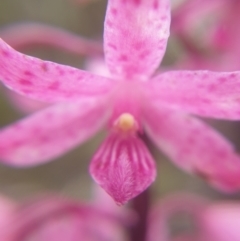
(126, 122)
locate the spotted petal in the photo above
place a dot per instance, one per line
(204, 93)
(123, 167)
(195, 147)
(47, 81)
(135, 36)
(51, 132)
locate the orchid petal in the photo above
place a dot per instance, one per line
(204, 93)
(123, 167)
(55, 218)
(222, 221)
(185, 18)
(51, 132)
(135, 37)
(25, 34)
(47, 81)
(194, 147)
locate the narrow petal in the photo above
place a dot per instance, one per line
(23, 35)
(51, 132)
(47, 81)
(204, 93)
(123, 167)
(195, 147)
(135, 36)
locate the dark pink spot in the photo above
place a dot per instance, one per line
(112, 46)
(222, 80)
(164, 18)
(204, 76)
(44, 139)
(25, 82)
(212, 87)
(114, 11)
(144, 54)
(44, 67)
(155, 5)
(138, 45)
(232, 76)
(5, 53)
(28, 73)
(61, 71)
(54, 85)
(49, 116)
(17, 144)
(109, 24)
(137, 2)
(206, 101)
(123, 57)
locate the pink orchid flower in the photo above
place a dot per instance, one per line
(215, 44)
(58, 219)
(129, 103)
(210, 221)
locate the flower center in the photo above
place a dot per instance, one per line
(126, 123)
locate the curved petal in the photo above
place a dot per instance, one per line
(185, 18)
(204, 93)
(222, 221)
(135, 36)
(51, 132)
(58, 219)
(23, 35)
(47, 81)
(123, 167)
(195, 147)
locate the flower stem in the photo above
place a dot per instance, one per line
(140, 205)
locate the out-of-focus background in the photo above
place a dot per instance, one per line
(69, 175)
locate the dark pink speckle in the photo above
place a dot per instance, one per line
(44, 67)
(109, 24)
(5, 53)
(212, 87)
(123, 57)
(28, 73)
(156, 5)
(222, 80)
(137, 2)
(25, 82)
(114, 11)
(112, 46)
(54, 85)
